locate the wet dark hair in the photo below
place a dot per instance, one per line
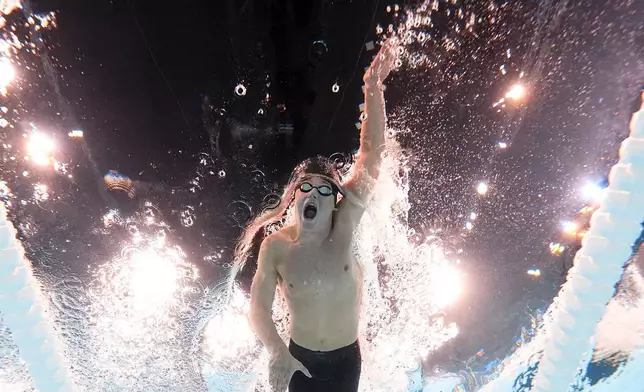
(318, 165)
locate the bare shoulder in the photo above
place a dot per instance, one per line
(274, 245)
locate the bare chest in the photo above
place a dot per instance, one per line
(308, 272)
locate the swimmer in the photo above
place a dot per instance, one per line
(312, 263)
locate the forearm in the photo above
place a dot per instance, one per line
(372, 134)
(262, 323)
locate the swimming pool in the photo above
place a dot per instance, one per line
(567, 336)
(35, 354)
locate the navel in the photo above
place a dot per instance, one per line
(346, 267)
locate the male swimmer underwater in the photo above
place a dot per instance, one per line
(312, 262)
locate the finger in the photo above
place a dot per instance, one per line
(279, 385)
(305, 371)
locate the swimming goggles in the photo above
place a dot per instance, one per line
(324, 190)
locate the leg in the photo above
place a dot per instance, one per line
(352, 366)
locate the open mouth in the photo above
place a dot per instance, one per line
(310, 211)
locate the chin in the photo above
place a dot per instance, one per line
(312, 224)
(308, 224)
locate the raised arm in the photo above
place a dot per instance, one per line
(372, 134)
(262, 294)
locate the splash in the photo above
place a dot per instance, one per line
(402, 294)
(131, 320)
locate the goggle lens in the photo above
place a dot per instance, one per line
(324, 190)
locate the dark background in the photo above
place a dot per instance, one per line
(136, 74)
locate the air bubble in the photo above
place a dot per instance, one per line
(240, 90)
(187, 216)
(239, 211)
(258, 176)
(221, 174)
(271, 201)
(335, 88)
(363, 116)
(342, 162)
(318, 49)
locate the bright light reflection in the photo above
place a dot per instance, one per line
(153, 279)
(556, 248)
(592, 192)
(39, 148)
(447, 285)
(516, 92)
(7, 6)
(569, 227)
(75, 134)
(534, 272)
(7, 74)
(481, 188)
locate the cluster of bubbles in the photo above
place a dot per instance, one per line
(134, 310)
(31, 151)
(440, 52)
(407, 285)
(29, 155)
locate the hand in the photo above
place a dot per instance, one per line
(281, 368)
(383, 63)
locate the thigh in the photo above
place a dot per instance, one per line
(342, 373)
(301, 383)
(349, 376)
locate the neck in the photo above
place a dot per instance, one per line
(315, 235)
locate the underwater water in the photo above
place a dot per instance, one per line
(499, 112)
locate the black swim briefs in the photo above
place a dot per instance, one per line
(332, 371)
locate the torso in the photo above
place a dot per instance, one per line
(322, 286)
